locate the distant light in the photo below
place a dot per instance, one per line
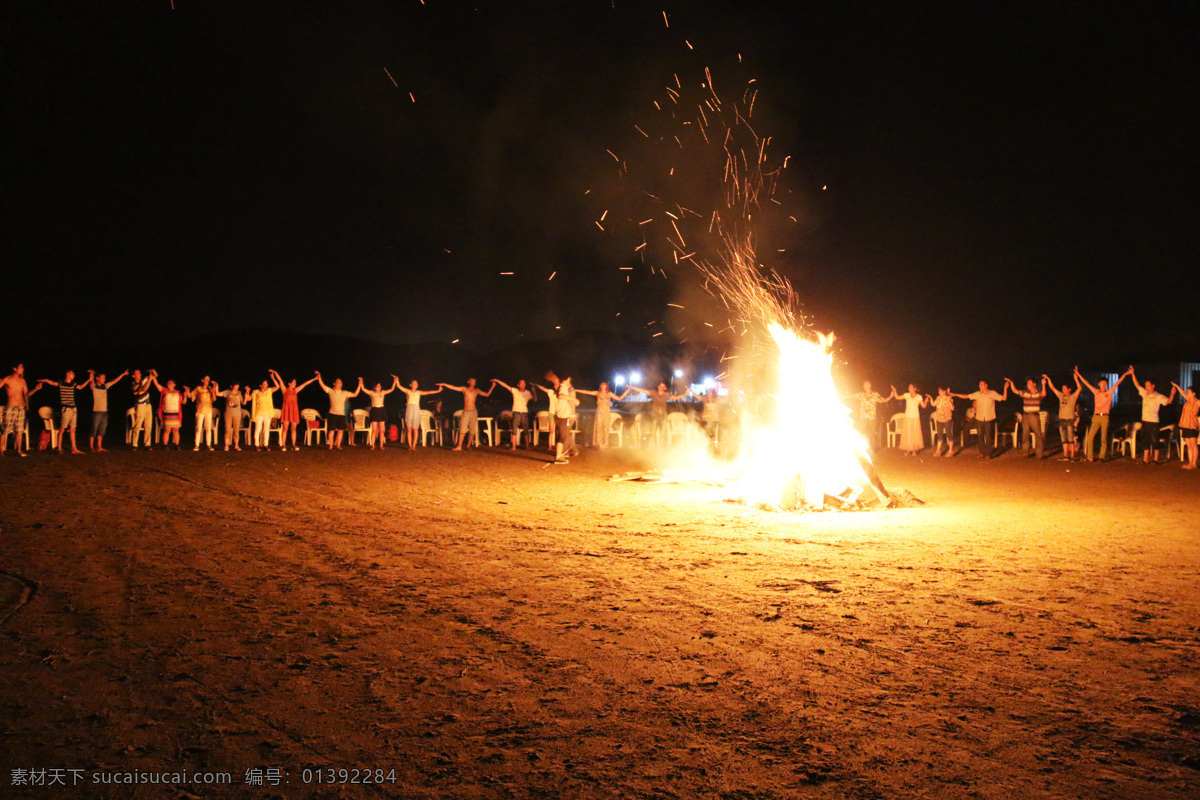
(455, 341)
(635, 377)
(678, 373)
(707, 381)
(619, 380)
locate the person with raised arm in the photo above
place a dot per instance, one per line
(985, 414)
(68, 411)
(377, 413)
(289, 416)
(262, 411)
(204, 396)
(1031, 413)
(564, 409)
(1188, 424)
(16, 408)
(520, 410)
(552, 401)
(868, 415)
(1152, 403)
(339, 397)
(658, 407)
(602, 424)
(170, 410)
(469, 423)
(1102, 397)
(412, 410)
(143, 411)
(1067, 413)
(943, 421)
(99, 423)
(235, 398)
(912, 438)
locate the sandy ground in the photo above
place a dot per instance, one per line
(486, 627)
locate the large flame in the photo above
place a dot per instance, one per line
(808, 448)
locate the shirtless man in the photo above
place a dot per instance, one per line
(1103, 399)
(520, 410)
(69, 413)
(658, 408)
(16, 409)
(412, 410)
(338, 399)
(470, 416)
(100, 387)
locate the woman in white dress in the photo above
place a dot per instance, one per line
(912, 440)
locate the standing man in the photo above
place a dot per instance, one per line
(658, 408)
(339, 399)
(143, 416)
(564, 409)
(1103, 400)
(520, 410)
(16, 408)
(985, 414)
(1152, 403)
(1067, 401)
(868, 418)
(1031, 413)
(100, 389)
(468, 425)
(69, 413)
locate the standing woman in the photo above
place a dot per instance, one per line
(912, 440)
(603, 421)
(289, 417)
(1188, 425)
(170, 411)
(378, 414)
(262, 408)
(412, 410)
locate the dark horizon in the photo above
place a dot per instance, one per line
(977, 190)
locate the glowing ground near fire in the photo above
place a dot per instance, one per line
(493, 629)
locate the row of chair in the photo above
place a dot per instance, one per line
(1124, 439)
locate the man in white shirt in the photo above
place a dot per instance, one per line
(1152, 403)
(520, 409)
(985, 414)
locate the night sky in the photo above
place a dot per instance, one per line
(977, 187)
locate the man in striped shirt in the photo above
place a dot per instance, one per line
(1031, 414)
(69, 413)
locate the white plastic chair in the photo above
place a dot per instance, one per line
(678, 427)
(1013, 434)
(486, 429)
(541, 424)
(247, 430)
(361, 425)
(308, 415)
(617, 428)
(276, 427)
(893, 429)
(130, 416)
(429, 429)
(47, 415)
(1126, 439)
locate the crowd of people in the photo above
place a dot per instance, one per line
(981, 417)
(257, 406)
